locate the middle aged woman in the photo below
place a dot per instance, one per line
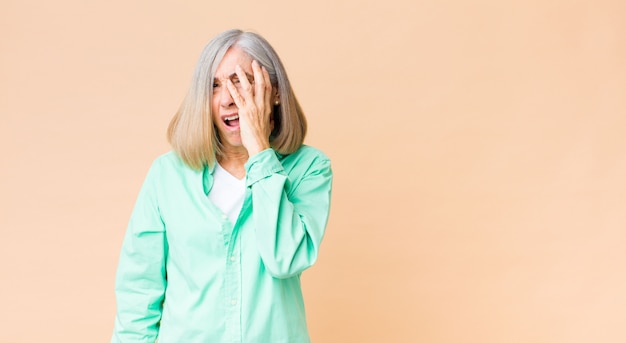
(226, 223)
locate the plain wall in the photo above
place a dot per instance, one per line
(479, 152)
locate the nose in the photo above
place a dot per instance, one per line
(226, 100)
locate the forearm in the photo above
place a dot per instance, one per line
(140, 288)
(290, 219)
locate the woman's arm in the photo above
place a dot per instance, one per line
(289, 218)
(141, 280)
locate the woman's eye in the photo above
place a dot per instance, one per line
(215, 85)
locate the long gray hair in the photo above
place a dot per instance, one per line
(191, 131)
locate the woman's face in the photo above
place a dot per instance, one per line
(225, 112)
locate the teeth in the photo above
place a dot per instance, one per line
(233, 117)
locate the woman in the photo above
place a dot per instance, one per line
(225, 224)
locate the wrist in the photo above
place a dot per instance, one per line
(257, 148)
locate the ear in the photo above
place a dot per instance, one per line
(275, 97)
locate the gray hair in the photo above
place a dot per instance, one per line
(191, 132)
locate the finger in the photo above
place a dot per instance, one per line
(243, 81)
(234, 93)
(259, 84)
(268, 87)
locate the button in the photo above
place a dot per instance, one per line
(233, 258)
(233, 302)
(224, 217)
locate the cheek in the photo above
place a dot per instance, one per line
(215, 119)
(215, 107)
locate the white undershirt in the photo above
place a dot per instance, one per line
(227, 192)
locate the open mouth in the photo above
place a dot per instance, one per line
(232, 121)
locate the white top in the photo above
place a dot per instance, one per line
(227, 192)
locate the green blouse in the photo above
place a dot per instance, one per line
(188, 274)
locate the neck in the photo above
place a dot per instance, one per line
(233, 159)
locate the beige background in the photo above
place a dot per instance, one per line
(478, 147)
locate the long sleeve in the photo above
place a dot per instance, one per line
(189, 274)
(141, 278)
(290, 215)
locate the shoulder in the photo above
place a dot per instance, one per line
(169, 160)
(306, 154)
(170, 165)
(306, 160)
